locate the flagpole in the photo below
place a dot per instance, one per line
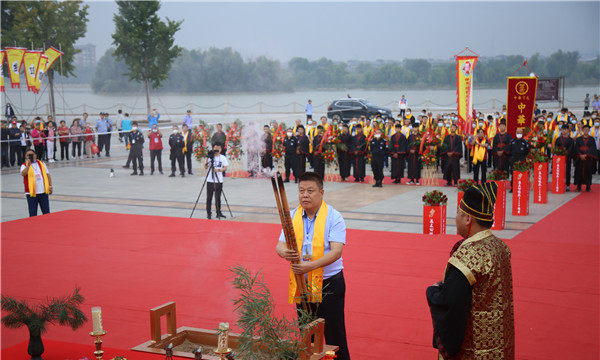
(62, 81)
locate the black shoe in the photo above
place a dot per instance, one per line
(286, 180)
(578, 188)
(190, 173)
(107, 155)
(356, 179)
(376, 185)
(567, 189)
(172, 175)
(160, 171)
(151, 172)
(448, 184)
(99, 155)
(125, 166)
(220, 215)
(588, 189)
(141, 173)
(295, 181)
(208, 216)
(134, 173)
(510, 191)
(182, 175)
(380, 184)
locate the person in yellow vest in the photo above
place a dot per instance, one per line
(490, 133)
(324, 123)
(367, 128)
(406, 127)
(312, 132)
(390, 129)
(587, 119)
(409, 116)
(352, 126)
(320, 236)
(295, 129)
(563, 115)
(421, 123)
(38, 183)
(479, 149)
(479, 267)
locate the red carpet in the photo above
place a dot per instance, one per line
(128, 264)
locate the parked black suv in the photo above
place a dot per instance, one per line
(347, 108)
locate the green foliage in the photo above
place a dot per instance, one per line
(63, 311)
(264, 337)
(45, 24)
(145, 42)
(109, 75)
(225, 70)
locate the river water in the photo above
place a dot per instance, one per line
(75, 100)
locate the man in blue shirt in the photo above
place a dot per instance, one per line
(103, 128)
(153, 118)
(187, 120)
(309, 110)
(322, 242)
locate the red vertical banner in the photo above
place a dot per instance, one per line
(500, 206)
(464, 90)
(434, 220)
(459, 197)
(540, 183)
(520, 102)
(520, 193)
(559, 168)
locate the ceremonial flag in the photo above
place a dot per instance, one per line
(464, 90)
(520, 102)
(2, 56)
(14, 57)
(43, 65)
(32, 60)
(53, 55)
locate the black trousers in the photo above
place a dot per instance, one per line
(15, 154)
(39, 151)
(187, 156)
(501, 163)
(331, 309)
(377, 167)
(583, 172)
(177, 158)
(138, 161)
(77, 145)
(302, 164)
(344, 164)
(452, 170)
(156, 154)
(414, 167)
(319, 165)
(216, 189)
(64, 150)
(42, 200)
(266, 160)
(483, 166)
(104, 143)
(292, 165)
(398, 166)
(5, 150)
(568, 171)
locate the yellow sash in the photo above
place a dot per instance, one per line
(315, 277)
(479, 151)
(31, 179)
(184, 142)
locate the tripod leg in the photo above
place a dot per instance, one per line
(198, 199)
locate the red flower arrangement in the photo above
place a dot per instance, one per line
(537, 157)
(464, 184)
(559, 151)
(497, 175)
(429, 158)
(434, 198)
(521, 165)
(277, 135)
(234, 140)
(200, 135)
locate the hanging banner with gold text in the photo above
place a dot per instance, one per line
(2, 56)
(40, 73)
(520, 102)
(53, 55)
(14, 58)
(32, 60)
(464, 90)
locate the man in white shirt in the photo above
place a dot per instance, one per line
(215, 180)
(119, 120)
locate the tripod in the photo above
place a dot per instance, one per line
(211, 171)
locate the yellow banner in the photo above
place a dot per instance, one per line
(41, 70)
(14, 58)
(2, 56)
(52, 54)
(32, 60)
(464, 90)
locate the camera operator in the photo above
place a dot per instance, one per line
(38, 183)
(214, 179)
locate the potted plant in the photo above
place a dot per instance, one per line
(520, 188)
(62, 311)
(463, 185)
(265, 336)
(559, 166)
(434, 212)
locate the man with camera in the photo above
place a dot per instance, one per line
(38, 183)
(217, 165)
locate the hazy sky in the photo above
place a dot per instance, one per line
(391, 30)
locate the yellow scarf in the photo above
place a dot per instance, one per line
(315, 277)
(479, 151)
(184, 142)
(31, 179)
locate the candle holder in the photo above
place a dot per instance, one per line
(99, 352)
(223, 353)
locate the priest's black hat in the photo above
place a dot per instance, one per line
(479, 201)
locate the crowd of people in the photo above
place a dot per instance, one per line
(410, 142)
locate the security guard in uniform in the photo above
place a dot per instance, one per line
(176, 142)
(136, 139)
(378, 147)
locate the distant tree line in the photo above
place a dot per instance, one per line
(224, 70)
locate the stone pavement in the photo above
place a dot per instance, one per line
(85, 184)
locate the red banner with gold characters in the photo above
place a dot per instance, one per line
(520, 193)
(559, 164)
(2, 56)
(434, 220)
(464, 90)
(14, 59)
(540, 183)
(500, 206)
(520, 102)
